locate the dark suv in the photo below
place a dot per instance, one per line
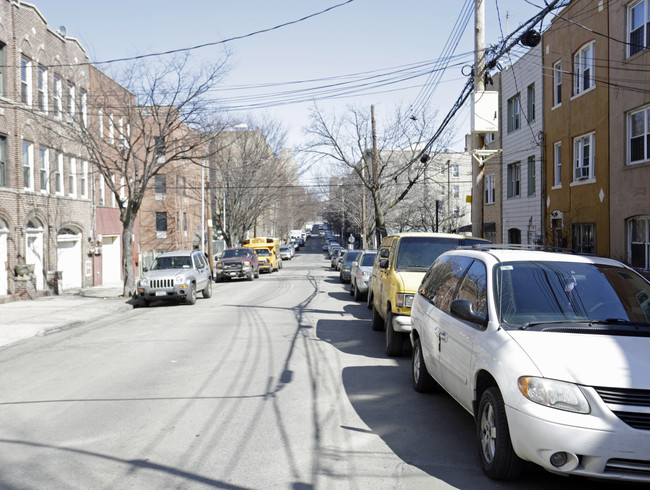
(237, 262)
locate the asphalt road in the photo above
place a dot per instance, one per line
(275, 383)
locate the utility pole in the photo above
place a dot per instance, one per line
(477, 138)
(363, 210)
(374, 166)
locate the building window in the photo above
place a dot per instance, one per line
(557, 164)
(456, 211)
(83, 179)
(455, 171)
(70, 101)
(102, 191)
(514, 113)
(123, 190)
(530, 100)
(584, 238)
(26, 80)
(120, 130)
(160, 187)
(28, 165)
(583, 156)
(112, 190)
(490, 189)
(557, 83)
(514, 180)
(638, 31)
(100, 121)
(456, 191)
(3, 69)
(72, 176)
(531, 176)
(159, 149)
(58, 97)
(514, 235)
(583, 69)
(184, 224)
(638, 129)
(161, 225)
(4, 165)
(111, 128)
(44, 157)
(58, 173)
(83, 95)
(42, 89)
(638, 232)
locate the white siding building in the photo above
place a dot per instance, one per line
(523, 146)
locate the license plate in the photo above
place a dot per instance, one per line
(161, 293)
(233, 273)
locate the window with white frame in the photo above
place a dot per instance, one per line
(70, 101)
(531, 175)
(102, 191)
(184, 224)
(514, 113)
(490, 189)
(638, 130)
(100, 121)
(83, 179)
(456, 191)
(26, 80)
(455, 172)
(57, 107)
(557, 83)
(530, 101)
(58, 173)
(638, 236)
(160, 187)
(120, 130)
(583, 69)
(42, 89)
(44, 157)
(514, 180)
(111, 128)
(583, 157)
(4, 163)
(83, 99)
(557, 164)
(161, 225)
(638, 26)
(28, 165)
(72, 176)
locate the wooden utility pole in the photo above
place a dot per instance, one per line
(363, 210)
(374, 166)
(476, 138)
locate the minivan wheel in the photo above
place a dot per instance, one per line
(422, 380)
(498, 459)
(394, 340)
(377, 320)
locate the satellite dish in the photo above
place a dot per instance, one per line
(63, 31)
(531, 38)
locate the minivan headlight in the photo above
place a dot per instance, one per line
(404, 300)
(554, 394)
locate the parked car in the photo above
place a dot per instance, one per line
(401, 262)
(348, 257)
(360, 273)
(237, 262)
(176, 276)
(336, 252)
(285, 252)
(548, 352)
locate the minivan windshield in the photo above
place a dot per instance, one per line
(417, 253)
(533, 293)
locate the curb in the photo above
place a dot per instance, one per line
(50, 330)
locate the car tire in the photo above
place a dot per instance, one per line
(394, 340)
(357, 295)
(250, 277)
(207, 292)
(257, 274)
(369, 298)
(351, 290)
(496, 455)
(377, 320)
(191, 295)
(422, 380)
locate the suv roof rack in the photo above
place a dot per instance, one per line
(521, 246)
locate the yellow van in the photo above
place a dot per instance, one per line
(268, 252)
(402, 261)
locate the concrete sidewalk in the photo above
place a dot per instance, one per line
(23, 319)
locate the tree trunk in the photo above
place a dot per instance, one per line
(128, 270)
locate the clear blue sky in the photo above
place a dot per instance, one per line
(365, 35)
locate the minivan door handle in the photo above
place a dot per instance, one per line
(443, 336)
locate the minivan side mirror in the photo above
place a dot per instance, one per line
(383, 264)
(384, 253)
(464, 309)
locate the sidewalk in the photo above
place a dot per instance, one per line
(28, 318)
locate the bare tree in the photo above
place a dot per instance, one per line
(403, 150)
(160, 112)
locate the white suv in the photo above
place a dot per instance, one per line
(550, 352)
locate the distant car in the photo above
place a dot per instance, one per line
(360, 273)
(336, 252)
(547, 351)
(285, 252)
(348, 257)
(176, 276)
(237, 262)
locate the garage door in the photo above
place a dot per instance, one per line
(111, 263)
(69, 259)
